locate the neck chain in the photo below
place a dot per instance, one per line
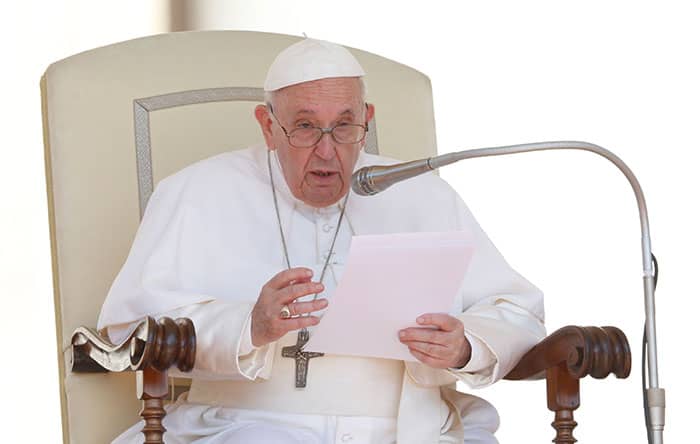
(279, 224)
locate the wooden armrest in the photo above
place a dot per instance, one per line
(159, 345)
(566, 356)
(150, 350)
(595, 351)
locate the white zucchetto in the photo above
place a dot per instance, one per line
(308, 60)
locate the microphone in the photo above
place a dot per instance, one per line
(371, 180)
(368, 181)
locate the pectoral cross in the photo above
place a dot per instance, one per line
(300, 357)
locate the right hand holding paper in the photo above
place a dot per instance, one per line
(389, 281)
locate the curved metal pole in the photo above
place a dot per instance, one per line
(655, 394)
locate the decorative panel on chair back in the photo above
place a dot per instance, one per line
(118, 119)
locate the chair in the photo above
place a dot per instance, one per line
(118, 119)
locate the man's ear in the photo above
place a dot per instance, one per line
(262, 115)
(370, 112)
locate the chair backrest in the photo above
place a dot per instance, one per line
(118, 119)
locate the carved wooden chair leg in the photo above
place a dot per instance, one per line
(150, 350)
(152, 388)
(562, 399)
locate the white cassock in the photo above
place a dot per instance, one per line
(208, 242)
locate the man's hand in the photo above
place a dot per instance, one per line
(284, 288)
(444, 347)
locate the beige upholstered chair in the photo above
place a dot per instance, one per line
(120, 118)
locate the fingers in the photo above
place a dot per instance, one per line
(427, 359)
(295, 291)
(284, 278)
(439, 356)
(271, 330)
(441, 347)
(289, 285)
(267, 324)
(299, 323)
(429, 335)
(300, 308)
(436, 351)
(441, 320)
(427, 341)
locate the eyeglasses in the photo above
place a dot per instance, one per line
(308, 136)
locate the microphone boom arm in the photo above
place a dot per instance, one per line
(371, 180)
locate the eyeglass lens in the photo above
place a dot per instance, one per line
(306, 137)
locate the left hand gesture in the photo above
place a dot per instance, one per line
(444, 347)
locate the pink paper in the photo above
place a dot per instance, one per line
(389, 281)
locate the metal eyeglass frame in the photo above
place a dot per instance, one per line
(328, 130)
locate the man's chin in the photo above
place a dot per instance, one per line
(321, 199)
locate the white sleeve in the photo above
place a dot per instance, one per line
(482, 359)
(149, 284)
(502, 313)
(224, 348)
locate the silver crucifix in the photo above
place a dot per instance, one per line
(301, 357)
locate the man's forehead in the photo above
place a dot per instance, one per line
(334, 86)
(313, 112)
(338, 96)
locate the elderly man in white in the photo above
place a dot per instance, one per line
(250, 245)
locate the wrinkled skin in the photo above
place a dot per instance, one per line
(321, 175)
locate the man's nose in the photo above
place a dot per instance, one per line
(325, 148)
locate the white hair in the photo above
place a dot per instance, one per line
(269, 96)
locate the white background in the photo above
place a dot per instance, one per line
(620, 74)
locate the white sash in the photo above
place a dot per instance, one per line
(336, 385)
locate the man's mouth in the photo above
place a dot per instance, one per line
(323, 173)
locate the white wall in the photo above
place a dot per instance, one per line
(621, 74)
(34, 34)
